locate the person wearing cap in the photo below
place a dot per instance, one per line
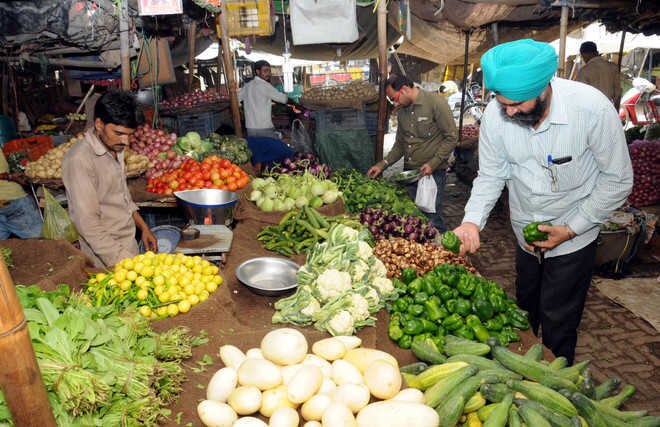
(600, 73)
(559, 148)
(425, 137)
(94, 177)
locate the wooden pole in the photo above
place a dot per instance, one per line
(382, 65)
(563, 30)
(623, 41)
(192, 33)
(124, 53)
(230, 74)
(465, 76)
(20, 378)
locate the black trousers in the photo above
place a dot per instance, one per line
(554, 293)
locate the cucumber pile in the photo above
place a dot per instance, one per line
(469, 389)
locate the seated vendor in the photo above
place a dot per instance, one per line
(19, 214)
(93, 172)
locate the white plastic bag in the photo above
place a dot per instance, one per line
(323, 21)
(426, 192)
(300, 139)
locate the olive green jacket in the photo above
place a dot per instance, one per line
(426, 133)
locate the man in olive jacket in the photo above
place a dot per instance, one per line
(425, 137)
(600, 73)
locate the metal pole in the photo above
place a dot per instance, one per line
(20, 378)
(230, 74)
(623, 40)
(382, 65)
(192, 33)
(124, 53)
(563, 27)
(465, 75)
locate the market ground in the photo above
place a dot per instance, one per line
(618, 343)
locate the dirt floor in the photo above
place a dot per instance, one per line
(618, 342)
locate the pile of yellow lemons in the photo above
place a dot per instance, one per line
(160, 285)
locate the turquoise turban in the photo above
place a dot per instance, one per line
(519, 70)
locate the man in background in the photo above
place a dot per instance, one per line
(19, 214)
(600, 73)
(94, 177)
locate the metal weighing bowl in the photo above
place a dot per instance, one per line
(168, 237)
(268, 276)
(407, 177)
(207, 205)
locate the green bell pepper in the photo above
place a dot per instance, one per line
(494, 324)
(439, 339)
(421, 297)
(503, 318)
(466, 285)
(518, 318)
(405, 342)
(398, 285)
(472, 320)
(448, 274)
(532, 234)
(480, 291)
(452, 322)
(463, 307)
(421, 337)
(483, 309)
(441, 332)
(434, 309)
(510, 334)
(429, 326)
(503, 338)
(415, 286)
(444, 292)
(394, 330)
(480, 332)
(428, 285)
(497, 301)
(451, 242)
(451, 305)
(400, 305)
(464, 331)
(408, 275)
(412, 326)
(416, 309)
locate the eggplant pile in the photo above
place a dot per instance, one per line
(298, 164)
(383, 225)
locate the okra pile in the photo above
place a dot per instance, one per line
(451, 300)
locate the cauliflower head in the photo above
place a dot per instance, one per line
(372, 297)
(359, 308)
(332, 283)
(364, 250)
(359, 270)
(312, 308)
(378, 268)
(341, 323)
(383, 285)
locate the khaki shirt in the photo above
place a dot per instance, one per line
(604, 76)
(100, 204)
(426, 133)
(9, 190)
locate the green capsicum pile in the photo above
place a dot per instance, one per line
(451, 300)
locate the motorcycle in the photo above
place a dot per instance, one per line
(474, 104)
(640, 105)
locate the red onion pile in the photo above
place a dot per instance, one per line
(384, 225)
(470, 132)
(645, 156)
(156, 145)
(298, 164)
(191, 99)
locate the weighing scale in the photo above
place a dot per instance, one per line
(209, 212)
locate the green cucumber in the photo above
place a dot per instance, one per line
(556, 382)
(498, 375)
(559, 363)
(586, 384)
(588, 410)
(452, 409)
(439, 391)
(485, 411)
(532, 418)
(474, 403)
(414, 368)
(479, 361)
(606, 388)
(555, 418)
(615, 413)
(494, 392)
(618, 399)
(535, 352)
(547, 396)
(573, 372)
(500, 414)
(646, 422)
(528, 368)
(514, 418)
(427, 353)
(457, 345)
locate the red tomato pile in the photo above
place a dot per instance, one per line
(212, 172)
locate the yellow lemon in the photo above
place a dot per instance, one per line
(101, 276)
(189, 262)
(148, 271)
(141, 281)
(120, 275)
(138, 267)
(149, 254)
(159, 280)
(164, 297)
(204, 295)
(159, 289)
(199, 287)
(128, 263)
(142, 294)
(131, 275)
(172, 310)
(145, 310)
(184, 306)
(197, 269)
(162, 311)
(125, 285)
(193, 299)
(217, 280)
(171, 281)
(169, 260)
(211, 287)
(189, 289)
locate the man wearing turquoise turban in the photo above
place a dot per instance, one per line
(560, 149)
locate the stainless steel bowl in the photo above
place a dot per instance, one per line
(407, 177)
(208, 205)
(268, 275)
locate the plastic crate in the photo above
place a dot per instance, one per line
(202, 123)
(339, 119)
(33, 147)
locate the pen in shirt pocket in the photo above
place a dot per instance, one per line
(558, 160)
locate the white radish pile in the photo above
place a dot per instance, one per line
(331, 387)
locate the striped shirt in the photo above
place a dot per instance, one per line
(580, 193)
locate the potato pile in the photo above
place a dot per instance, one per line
(49, 166)
(351, 91)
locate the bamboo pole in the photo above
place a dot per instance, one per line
(382, 65)
(563, 27)
(230, 74)
(623, 41)
(465, 75)
(192, 33)
(124, 53)
(20, 378)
